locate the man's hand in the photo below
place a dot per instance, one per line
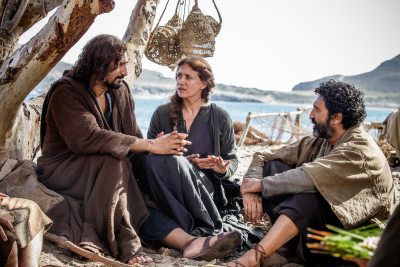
(172, 143)
(250, 185)
(5, 223)
(252, 204)
(211, 162)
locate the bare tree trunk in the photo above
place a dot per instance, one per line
(12, 28)
(22, 71)
(25, 141)
(137, 35)
(23, 137)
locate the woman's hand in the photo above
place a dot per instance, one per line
(211, 162)
(252, 204)
(220, 166)
(204, 163)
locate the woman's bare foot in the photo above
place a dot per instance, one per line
(196, 246)
(140, 257)
(211, 247)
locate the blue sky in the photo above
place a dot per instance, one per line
(274, 45)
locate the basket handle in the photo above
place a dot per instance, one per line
(219, 15)
(215, 5)
(162, 14)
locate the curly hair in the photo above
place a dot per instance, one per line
(203, 69)
(100, 56)
(343, 98)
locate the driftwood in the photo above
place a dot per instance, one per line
(84, 253)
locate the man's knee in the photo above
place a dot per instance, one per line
(273, 167)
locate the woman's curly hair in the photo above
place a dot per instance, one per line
(100, 56)
(201, 66)
(343, 98)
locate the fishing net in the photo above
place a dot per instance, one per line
(287, 127)
(278, 128)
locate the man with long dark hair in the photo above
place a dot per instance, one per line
(89, 140)
(338, 177)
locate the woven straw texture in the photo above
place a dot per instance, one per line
(177, 39)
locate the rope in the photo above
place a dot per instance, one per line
(162, 14)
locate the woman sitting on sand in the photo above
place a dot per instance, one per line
(187, 189)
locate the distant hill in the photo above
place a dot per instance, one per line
(385, 79)
(382, 87)
(153, 84)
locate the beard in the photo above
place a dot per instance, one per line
(113, 84)
(323, 129)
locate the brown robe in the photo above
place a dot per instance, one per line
(84, 160)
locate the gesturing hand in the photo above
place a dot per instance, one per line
(220, 166)
(211, 162)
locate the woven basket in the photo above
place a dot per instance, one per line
(163, 46)
(197, 36)
(214, 25)
(177, 39)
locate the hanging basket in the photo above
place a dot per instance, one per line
(197, 36)
(214, 25)
(178, 39)
(163, 46)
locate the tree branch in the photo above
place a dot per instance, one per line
(137, 35)
(29, 64)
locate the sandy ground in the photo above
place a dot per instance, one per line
(54, 255)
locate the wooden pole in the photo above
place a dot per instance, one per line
(245, 130)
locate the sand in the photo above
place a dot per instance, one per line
(52, 255)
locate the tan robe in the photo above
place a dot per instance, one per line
(354, 176)
(392, 130)
(25, 216)
(84, 160)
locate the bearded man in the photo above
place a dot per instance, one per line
(90, 139)
(338, 177)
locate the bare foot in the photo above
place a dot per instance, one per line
(196, 246)
(140, 258)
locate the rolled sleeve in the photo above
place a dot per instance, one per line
(290, 182)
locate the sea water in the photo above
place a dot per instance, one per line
(238, 110)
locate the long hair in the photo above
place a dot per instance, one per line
(343, 98)
(201, 66)
(99, 57)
